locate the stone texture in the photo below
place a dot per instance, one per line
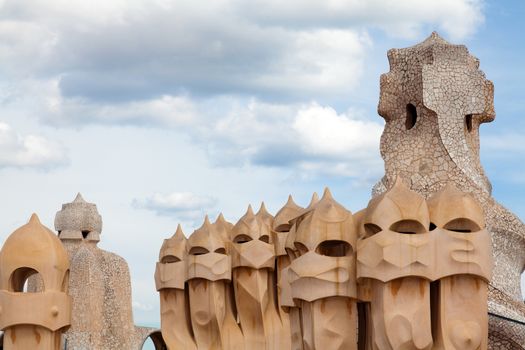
(99, 284)
(417, 272)
(34, 320)
(412, 270)
(387, 258)
(451, 99)
(79, 220)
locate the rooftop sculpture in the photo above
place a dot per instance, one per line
(432, 262)
(99, 284)
(433, 101)
(379, 276)
(410, 271)
(34, 320)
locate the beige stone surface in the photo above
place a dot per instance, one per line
(79, 220)
(461, 297)
(407, 244)
(434, 99)
(322, 277)
(34, 320)
(396, 254)
(254, 281)
(288, 310)
(210, 293)
(404, 273)
(433, 262)
(99, 284)
(170, 278)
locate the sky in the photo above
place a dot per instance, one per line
(163, 111)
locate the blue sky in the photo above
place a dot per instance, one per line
(161, 111)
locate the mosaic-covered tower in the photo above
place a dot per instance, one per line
(433, 99)
(99, 284)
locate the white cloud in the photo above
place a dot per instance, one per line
(185, 206)
(193, 67)
(120, 51)
(111, 63)
(400, 18)
(21, 42)
(29, 150)
(129, 50)
(320, 61)
(166, 110)
(310, 139)
(321, 131)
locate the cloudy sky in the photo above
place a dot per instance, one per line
(161, 111)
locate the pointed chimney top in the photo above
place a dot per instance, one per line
(79, 198)
(178, 233)
(327, 194)
(262, 208)
(34, 219)
(288, 212)
(220, 218)
(315, 199)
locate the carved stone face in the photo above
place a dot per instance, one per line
(281, 225)
(325, 240)
(433, 100)
(396, 241)
(174, 248)
(458, 224)
(207, 256)
(464, 266)
(170, 271)
(398, 210)
(406, 237)
(252, 243)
